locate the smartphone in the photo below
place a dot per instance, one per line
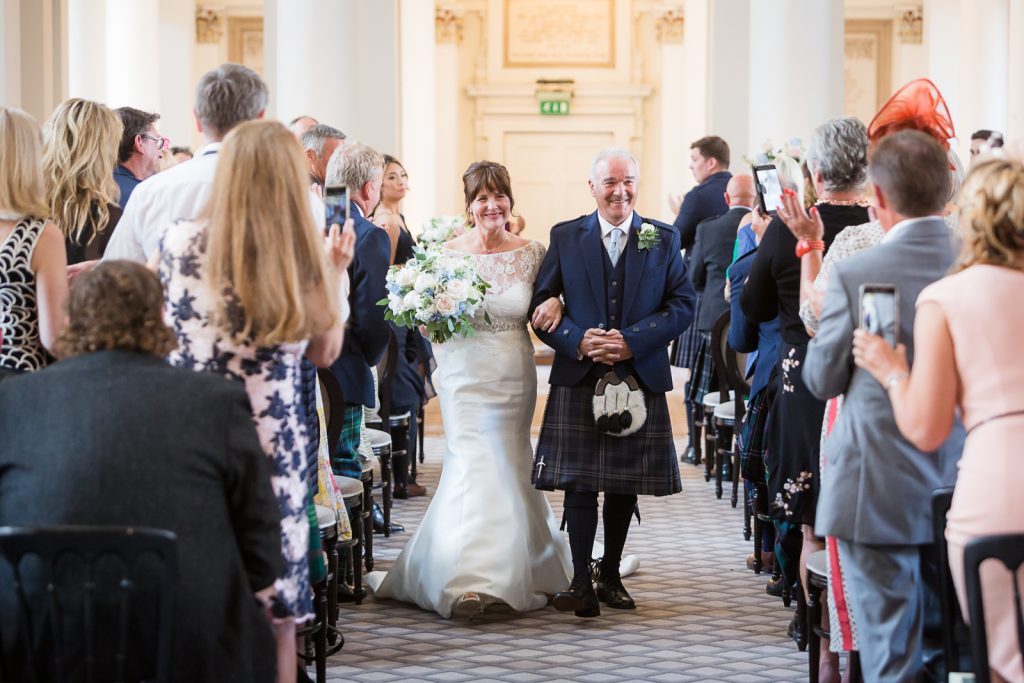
(336, 206)
(880, 311)
(769, 187)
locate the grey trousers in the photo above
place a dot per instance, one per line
(888, 593)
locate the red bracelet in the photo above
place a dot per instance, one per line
(806, 246)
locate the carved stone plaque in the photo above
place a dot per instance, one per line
(559, 33)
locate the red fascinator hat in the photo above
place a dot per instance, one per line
(916, 106)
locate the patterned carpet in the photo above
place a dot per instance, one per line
(701, 615)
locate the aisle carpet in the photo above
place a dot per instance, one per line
(701, 615)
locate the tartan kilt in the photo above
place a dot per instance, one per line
(686, 352)
(752, 441)
(702, 372)
(577, 457)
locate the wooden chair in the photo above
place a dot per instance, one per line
(1009, 550)
(728, 413)
(954, 630)
(817, 583)
(96, 580)
(322, 630)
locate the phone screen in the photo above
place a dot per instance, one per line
(769, 187)
(879, 311)
(336, 207)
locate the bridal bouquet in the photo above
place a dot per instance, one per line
(441, 229)
(439, 290)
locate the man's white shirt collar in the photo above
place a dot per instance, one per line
(606, 227)
(209, 148)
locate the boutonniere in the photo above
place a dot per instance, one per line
(648, 236)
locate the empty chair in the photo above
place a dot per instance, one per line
(87, 603)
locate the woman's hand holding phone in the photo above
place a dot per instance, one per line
(341, 245)
(803, 225)
(759, 222)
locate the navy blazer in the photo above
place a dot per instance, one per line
(747, 336)
(366, 338)
(657, 305)
(707, 200)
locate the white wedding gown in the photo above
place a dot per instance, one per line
(487, 530)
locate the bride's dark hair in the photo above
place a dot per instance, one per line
(486, 175)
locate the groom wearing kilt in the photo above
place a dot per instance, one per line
(626, 297)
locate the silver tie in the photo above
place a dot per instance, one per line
(613, 246)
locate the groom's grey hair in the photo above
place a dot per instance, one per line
(613, 153)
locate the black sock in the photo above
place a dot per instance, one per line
(581, 518)
(617, 514)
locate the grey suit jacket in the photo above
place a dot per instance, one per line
(875, 486)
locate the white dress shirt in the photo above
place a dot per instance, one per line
(179, 193)
(606, 232)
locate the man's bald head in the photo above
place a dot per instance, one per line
(740, 191)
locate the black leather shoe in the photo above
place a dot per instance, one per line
(611, 592)
(774, 586)
(378, 522)
(580, 598)
(688, 455)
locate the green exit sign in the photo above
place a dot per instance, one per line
(554, 107)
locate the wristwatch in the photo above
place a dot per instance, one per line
(805, 246)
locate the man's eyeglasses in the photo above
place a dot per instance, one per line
(161, 142)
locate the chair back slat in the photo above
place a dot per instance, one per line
(942, 500)
(1008, 549)
(56, 548)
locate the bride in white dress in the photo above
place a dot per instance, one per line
(488, 535)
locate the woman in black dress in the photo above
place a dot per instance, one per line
(78, 165)
(409, 389)
(837, 158)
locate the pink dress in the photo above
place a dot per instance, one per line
(986, 322)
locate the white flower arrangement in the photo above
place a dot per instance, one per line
(793, 149)
(440, 229)
(438, 290)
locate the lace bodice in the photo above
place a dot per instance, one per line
(511, 275)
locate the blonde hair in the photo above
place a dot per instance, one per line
(992, 214)
(790, 175)
(21, 175)
(82, 138)
(264, 253)
(354, 164)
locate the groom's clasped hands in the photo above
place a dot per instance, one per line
(604, 346)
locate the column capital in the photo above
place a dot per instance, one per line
(669, 24)
(911, 18)
(448, 25)
(208, 25)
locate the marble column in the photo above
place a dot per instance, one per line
(313, 60)
(449, 26)
(87, 49)
(177, 89)
(670, 26)
(984, 67)
(10, 52)
(796, 77)
(1015, 60)
(133, 75)
(418, 106)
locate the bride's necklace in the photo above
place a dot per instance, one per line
(499, 245)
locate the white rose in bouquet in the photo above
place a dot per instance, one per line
(424, 281)
(458, 290)
(446, 305)
(397, 304)
(411, 301)
(406, 277)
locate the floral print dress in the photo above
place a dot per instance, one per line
(271, 377)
